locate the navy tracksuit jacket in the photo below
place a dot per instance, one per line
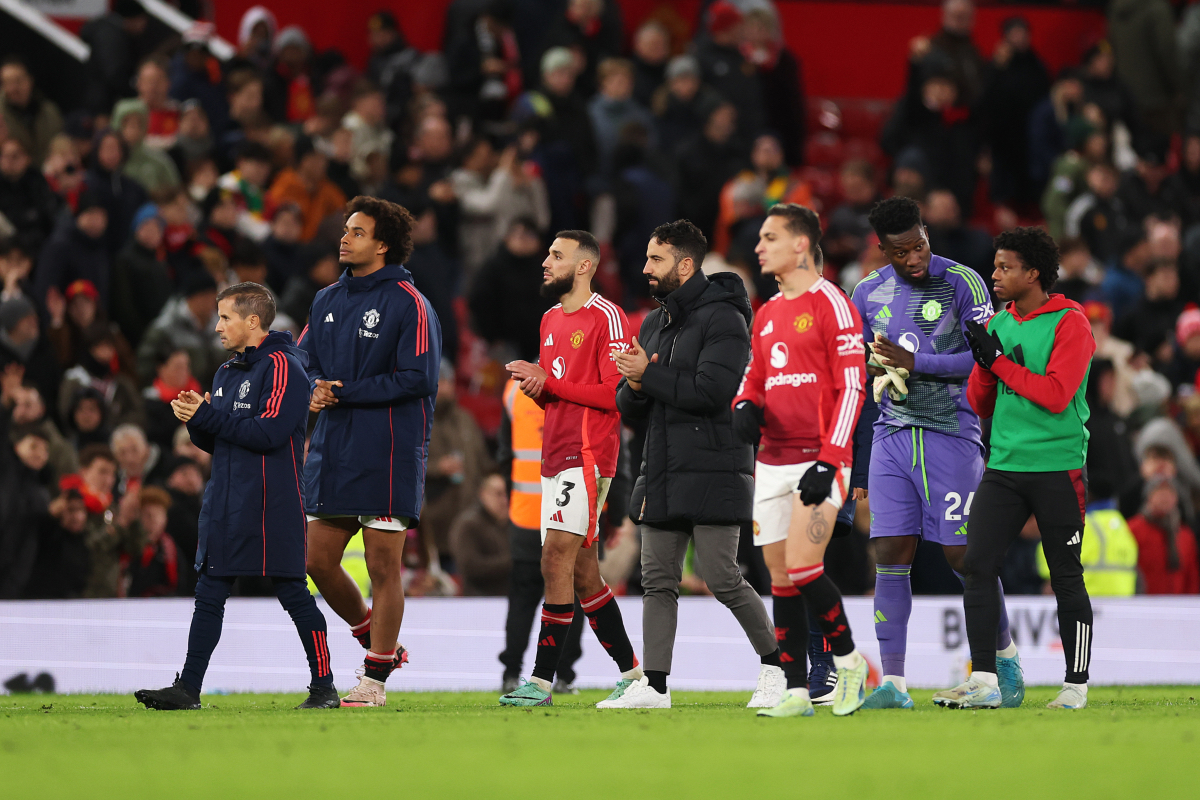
(379, 336)
(252, 521)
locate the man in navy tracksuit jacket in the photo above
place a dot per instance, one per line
(252, 520)
(374, 347)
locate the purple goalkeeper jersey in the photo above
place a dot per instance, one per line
(929, 320)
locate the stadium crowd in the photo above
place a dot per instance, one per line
(180, 174)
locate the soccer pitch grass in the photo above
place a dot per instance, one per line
(1129, 742)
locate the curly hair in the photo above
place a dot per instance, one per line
(684, 239)
(1036, 249)
(393, 225)
(894, 216)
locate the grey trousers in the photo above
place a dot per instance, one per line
(663, 553)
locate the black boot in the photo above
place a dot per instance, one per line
(176, 697)
(321, 697)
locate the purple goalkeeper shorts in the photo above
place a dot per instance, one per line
(922, 483)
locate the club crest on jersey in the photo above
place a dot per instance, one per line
(803, 322)
(779, 355)
(244, 390)
(371, 318)
(559, 367)
(931, 310)
(576, 339)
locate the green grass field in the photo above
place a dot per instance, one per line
(1132, 742)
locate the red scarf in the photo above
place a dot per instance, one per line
(95, 503)
(168, 393)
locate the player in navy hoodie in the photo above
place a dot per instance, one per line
(252, 520)
(374, 346)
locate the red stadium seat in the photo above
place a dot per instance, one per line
(824, 149)
(864, 118)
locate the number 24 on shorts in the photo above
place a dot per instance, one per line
(955, 500)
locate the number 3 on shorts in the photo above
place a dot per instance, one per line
(955, 500)
(567, 486)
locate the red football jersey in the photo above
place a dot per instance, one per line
(582, 424)
(806, 372)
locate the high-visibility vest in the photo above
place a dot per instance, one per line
(527, 417)
(1109, 553)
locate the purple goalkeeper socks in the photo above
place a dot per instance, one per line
(893, 607)
(1004, 633)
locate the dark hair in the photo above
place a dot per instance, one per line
(1036, 249)
(683, 237)
(1158, 451)
(253, 151)
(250, 298)
(588, 246)
(894, 216)
(95, 451)
(1070, 244)
(393, 225)
(801, 221)
(247, 253)
(523, 221)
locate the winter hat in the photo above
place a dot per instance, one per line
(146, 212)
(557, 58)
(123, 108)
(1095, 311)
(82, 287)
(1188, 324)
(13, 311)
(683, 65)
(723, 16)
(292, 35)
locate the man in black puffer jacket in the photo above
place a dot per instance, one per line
(697, 478)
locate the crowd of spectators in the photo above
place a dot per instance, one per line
(180, 174)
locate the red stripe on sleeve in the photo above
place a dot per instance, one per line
(278, 386)
(422, 317)
(303, 333)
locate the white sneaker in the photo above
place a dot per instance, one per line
(369, 693)
(770, 689)
(639, 695)
(1073, 696)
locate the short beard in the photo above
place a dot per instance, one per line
(555, 289)
(667, 283)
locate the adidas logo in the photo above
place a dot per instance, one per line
(1076, 539)
(884, 313)
(822, 468)
(770, 327)
(549, 341)
(218, 393)
(547, 642)
(557, 517)
(879, 617)
(329, 317)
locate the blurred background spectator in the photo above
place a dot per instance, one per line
(176, 170)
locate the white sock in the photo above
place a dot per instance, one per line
(848, 662)
(541, 682)
(897, 681)
(633, 674)
(1007, 652)
(986, 678)
(800, 692)
(1079, 687)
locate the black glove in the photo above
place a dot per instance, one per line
(816, 483)
(985, 345)
(748, 422)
